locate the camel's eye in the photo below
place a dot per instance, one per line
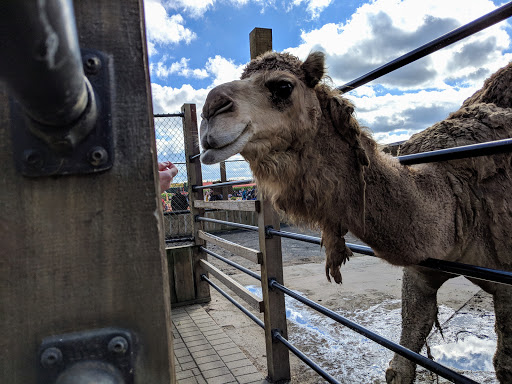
(280, 90)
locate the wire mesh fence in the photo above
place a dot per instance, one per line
(175, 202)
(171, 147)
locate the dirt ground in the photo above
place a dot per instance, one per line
(370, 295)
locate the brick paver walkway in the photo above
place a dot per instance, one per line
(204, 352)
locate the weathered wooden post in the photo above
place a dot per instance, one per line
(195, 177)
(260, 41)
(224, 178)
(82, 248)
(278, 360)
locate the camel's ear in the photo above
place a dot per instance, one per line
(341, 111)
(314, 68)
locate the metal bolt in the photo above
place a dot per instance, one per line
(33, 158)
(98, 156)
(92, 64)
(51, 357)
(118, 345)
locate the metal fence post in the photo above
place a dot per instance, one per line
(195, 177)
(278, 361)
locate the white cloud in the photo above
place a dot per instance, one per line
(164, 29)
(223, 70)
(394, 106)
(180, 68)
(198, 8)
(170, 100)
(195, 8)
(218, 68)
(381, 31)
(392, 116)
(314, 7)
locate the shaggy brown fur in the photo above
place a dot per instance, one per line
(309, 154)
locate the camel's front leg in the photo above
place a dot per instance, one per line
(336, 251)
(503, 311)
(419, 311)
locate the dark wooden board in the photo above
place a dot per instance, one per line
(86, 251)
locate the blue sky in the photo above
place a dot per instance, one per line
(195, 45)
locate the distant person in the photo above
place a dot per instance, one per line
(166, 173)
(179, 202)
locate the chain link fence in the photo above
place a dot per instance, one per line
(170, 146)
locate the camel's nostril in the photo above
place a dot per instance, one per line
(223, 108)
(216, 104)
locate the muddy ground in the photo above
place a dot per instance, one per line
(370, 295)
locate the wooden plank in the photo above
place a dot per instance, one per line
(182, 273)
(247, 253)
(72, 256)
(251, 299)
(230, 205)
(170, 266)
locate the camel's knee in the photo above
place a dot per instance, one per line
(400, 371)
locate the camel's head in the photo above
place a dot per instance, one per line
(272, 108)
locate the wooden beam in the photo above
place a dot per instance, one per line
(72, 256)
(182, 273)
(230, 205)
(195, 177)
(251, 299)
(247, 253)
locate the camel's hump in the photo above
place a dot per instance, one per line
(485, 116)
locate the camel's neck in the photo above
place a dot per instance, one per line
(392, 208)
(407, 211)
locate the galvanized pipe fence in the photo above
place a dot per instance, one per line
(268, 231)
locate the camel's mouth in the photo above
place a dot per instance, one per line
(216, 155)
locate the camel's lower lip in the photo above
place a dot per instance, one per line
(215, 155)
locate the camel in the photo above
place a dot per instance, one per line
(315, 162)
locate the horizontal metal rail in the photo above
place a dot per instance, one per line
(277, 336)
(413, 356)
(219, 185)
(179, 114)
(229, 223)
(234, 302)
(477, 25)
(177, 212)
(179, 239)
(455, 153)
(467, 270)
(232, 263)
(41, 61)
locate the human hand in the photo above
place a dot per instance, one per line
(166, 173)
